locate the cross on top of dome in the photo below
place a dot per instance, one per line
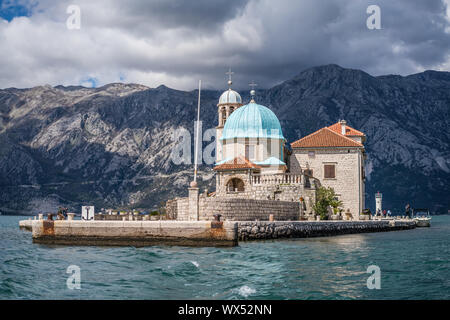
(230, 96)
(229, 73)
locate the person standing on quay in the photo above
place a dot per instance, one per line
(407, 210)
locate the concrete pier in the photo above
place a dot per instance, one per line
(135, 233)
(26, 224)
(195, 233)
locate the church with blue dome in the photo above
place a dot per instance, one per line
(250, 140)
(251, 132)
(259, 178)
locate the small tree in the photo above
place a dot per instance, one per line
(162, 208)
(326, 197)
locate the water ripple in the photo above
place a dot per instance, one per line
(414, 264)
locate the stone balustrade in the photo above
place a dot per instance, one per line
(274, 179)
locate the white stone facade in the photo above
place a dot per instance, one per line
(349, 172)
(224, 110)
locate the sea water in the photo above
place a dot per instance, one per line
(413, 264)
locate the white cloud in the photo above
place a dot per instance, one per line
(175, 43)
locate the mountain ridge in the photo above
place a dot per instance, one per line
(111, 146)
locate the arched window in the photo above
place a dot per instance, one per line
(235, 185)
(224, 116)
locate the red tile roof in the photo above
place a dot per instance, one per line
(349, 131)
(325, 137)
(236, 164)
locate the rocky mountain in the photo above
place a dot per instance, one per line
(111, 146)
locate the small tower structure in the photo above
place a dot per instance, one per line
(378, 202)
(229, 101)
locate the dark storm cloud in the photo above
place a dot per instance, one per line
(177, 42)
(198, 14)
(310, 33)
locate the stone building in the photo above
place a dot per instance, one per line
(257, 175)
(335, 156)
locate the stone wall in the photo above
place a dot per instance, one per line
(251, 230)
(348, 183)
(248, 209)
(235, 209)
(178, 209)
(222, 179)
(270, 191)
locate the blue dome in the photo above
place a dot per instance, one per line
(252, 121)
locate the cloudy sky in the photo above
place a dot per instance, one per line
(176, 43)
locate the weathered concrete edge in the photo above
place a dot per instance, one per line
(135, 233)
(263, 230)
(26, 224)
(195, 233)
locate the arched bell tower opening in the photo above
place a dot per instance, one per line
(229, 101)
(222, 116)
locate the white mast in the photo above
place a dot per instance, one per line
(198, 132)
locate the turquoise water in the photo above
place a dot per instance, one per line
(414, 264)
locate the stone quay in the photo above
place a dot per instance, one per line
(260, 230)
(135, 233)
(195, 233)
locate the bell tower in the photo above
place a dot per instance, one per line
(229, 101)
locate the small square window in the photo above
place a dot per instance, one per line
(329, 171)
(311, 154)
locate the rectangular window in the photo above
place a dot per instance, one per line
(311, 154)
(329, 171)
(269, 148)
(249, 152)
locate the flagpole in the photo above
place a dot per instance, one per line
(198, 132)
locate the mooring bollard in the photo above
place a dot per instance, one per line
(70, 216)
(216, 222)
(41, 216)
(123, 218)
(271, 218)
